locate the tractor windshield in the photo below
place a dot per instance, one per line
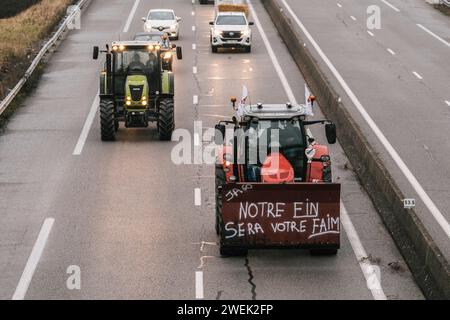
(284, 136)
(136, 60)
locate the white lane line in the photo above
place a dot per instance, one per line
(195, 99)
(131, 16)
(193, 28)
(353, 18)
(87, 126)
(443, 223)
(391, 5)
(339, 5)
(391, 51)
(372, 278)
(194, 46)
(194, 70)
(433, 34)
(447, 102)
(273, 57)
(199, 294)
(417, 75)
(33, 260)
(197, 197)
(370, 33)
(349, 229)
(193, 13)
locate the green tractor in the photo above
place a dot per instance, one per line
(136, 87)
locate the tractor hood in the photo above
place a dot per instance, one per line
(136, 91)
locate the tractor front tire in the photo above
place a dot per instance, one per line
(214, 49)
(166, 119)
(107, 120)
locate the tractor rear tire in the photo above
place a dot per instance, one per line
(220, 181)
(248, 49)
(107, 120)
(232, 251)
(166, 119)
(214, 49)
(323, 252)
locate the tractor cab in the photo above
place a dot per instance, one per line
(273, 145)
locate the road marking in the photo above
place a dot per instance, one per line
(131, 16)
(215, 115)
(348, 226)
(391, 51)
(391, 5)
(417, 75)
(33, 260)
(339, 5)
(193, 28)
(194, 70)
(273, 57)
(370, 33)
(198, 196)
(193, 13)
(434, 35)
(87, 126)
(199, 294)
(353, 18)
(447, 102)
(194, 46)
(195, 99)
(443, 223)
(361, 255)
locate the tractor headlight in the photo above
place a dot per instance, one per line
(144, 102)
(121, 47)
(128, 103)
(174, 26)
(245, 33)
(128, 98)
(217, 33)
(157, 47)
(151, 47)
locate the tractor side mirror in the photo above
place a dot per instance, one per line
(95, 53)
(330, 132)
(251, 23)
(211, 23)
(144, 19)
(173, 46)
(178, 19)
(219, 134)
(179, 53)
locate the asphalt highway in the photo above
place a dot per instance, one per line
(400, 76)
(130, 220)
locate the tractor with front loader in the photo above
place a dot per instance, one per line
(136, 87)
(273, 182)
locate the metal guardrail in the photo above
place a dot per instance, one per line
(69, 19)
(446, 2)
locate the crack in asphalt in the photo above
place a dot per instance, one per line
(250, 278)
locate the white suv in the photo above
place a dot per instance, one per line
(231, 29)
(163, 20)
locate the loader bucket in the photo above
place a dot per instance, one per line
(297, 215)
